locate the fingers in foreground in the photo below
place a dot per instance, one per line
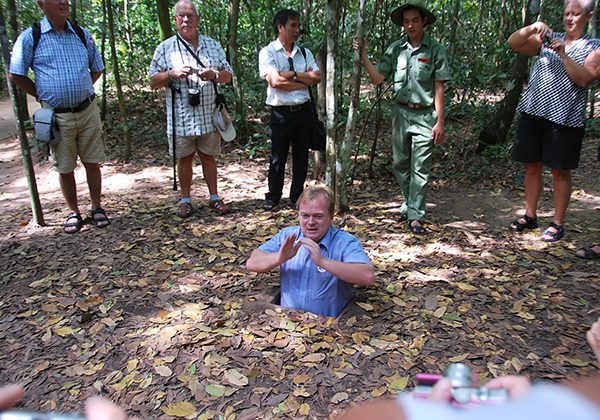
(10, 395)
(98, 408)
(516, 386)
(441, 391)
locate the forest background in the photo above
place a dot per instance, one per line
(160, 314)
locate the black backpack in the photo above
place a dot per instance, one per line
(37, 33)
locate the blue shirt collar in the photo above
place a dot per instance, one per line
(325, 240)
(46, 26)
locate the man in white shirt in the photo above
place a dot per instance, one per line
(289, 73)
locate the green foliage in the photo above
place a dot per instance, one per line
(474, 35)
(497, 152)
(592, 127)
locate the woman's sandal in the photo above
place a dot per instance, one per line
(517, 226)
(550, 235)
(588, 253)
(99, 218)
(416, 229)
(73, 227)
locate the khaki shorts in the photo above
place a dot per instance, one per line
(209, 144)
(81, 135)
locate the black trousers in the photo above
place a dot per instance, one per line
(287, 128)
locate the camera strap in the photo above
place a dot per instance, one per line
(187, 47)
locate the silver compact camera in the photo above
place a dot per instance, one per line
(464, 392)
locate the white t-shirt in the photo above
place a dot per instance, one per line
(544, 402)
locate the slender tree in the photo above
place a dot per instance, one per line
(164, 19)
(104, 75)
(115, 68)
(333, 8)
(319, 156)
(234, 14)
(73, 10)
(348, 141)
(20, 96)
(34, 196)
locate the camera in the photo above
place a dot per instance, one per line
(547, 39)
(193, 97)
(464, 392)
(24, 415)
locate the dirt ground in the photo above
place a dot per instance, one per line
(160, 314)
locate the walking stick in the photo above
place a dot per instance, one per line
(174, 132)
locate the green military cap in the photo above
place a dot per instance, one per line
(396, 14)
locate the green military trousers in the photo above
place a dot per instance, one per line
(412, 146)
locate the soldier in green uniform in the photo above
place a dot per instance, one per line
(418, 67)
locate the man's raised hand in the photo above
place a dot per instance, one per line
(314, 249)
(288, 249)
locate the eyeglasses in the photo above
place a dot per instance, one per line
(291, 62)
(189, 17)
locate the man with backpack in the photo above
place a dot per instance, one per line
(66, 63)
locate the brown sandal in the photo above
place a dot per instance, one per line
(185, 210)
(219, 206)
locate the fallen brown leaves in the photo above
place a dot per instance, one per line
(161, 316)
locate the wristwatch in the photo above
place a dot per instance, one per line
(295, 77)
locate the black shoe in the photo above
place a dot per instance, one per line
(269, 204)
(417, 229)
(528, 223)
(403, 217)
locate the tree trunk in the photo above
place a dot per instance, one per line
(453, 29)
(34, 196)
(331, 174)
(20, 96)
(346, 146)
(592, 33)
(319, 157)
(164, 19)
(378, 114)
(103, 53)
(115, 65)
(496, 129)
(306, 12)
(73, 10)
(234, 14)
(12, 19)
(127, 25)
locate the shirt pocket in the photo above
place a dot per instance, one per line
(424, 69)
(401, 69)
(322, 285)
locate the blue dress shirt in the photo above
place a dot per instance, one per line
(61, 65)
(308, 287)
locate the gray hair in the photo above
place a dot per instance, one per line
(180, 2)
(587, 5)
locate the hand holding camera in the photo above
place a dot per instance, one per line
(457, 387)
(180, 72)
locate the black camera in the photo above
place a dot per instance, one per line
(547, 40)
(193, 97)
